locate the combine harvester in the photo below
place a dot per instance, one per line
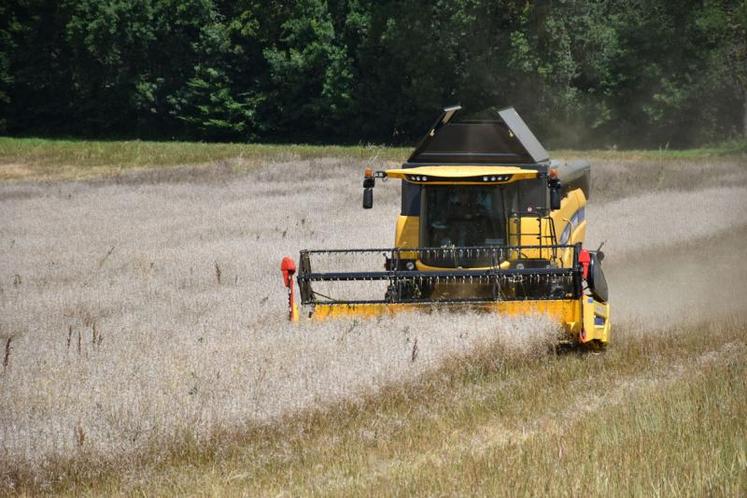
(487, 222)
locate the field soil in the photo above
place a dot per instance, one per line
(146, 349)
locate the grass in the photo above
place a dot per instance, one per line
(37, 158)
(659, 414)
(730, 148)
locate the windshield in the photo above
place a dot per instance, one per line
(462, 216)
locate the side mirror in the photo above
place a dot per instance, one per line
(555, 197)
(369, 182)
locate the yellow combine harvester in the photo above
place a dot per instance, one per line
(487, 222)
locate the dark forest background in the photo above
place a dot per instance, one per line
(643, 73)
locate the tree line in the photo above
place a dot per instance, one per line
(582, 73)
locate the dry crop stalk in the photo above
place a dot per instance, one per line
(106, 256)
(6, 358)
(80, 434)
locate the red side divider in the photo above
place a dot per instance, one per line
(288, 267)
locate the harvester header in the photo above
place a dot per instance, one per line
(487, 222)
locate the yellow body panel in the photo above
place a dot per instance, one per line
(423, 267)
(577, 316)
(455, 173)
(566, 310)
(593, 311)
(407, 235)
(570, 206)
(531, 231)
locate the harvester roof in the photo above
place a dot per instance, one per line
(491, 137)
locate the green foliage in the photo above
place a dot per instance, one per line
(309, 88)
(5, 76)
(647, 73)
(207, 105)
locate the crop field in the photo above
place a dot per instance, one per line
(145, 347)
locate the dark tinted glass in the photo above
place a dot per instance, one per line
(462, 216)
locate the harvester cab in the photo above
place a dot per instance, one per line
(487, 221)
